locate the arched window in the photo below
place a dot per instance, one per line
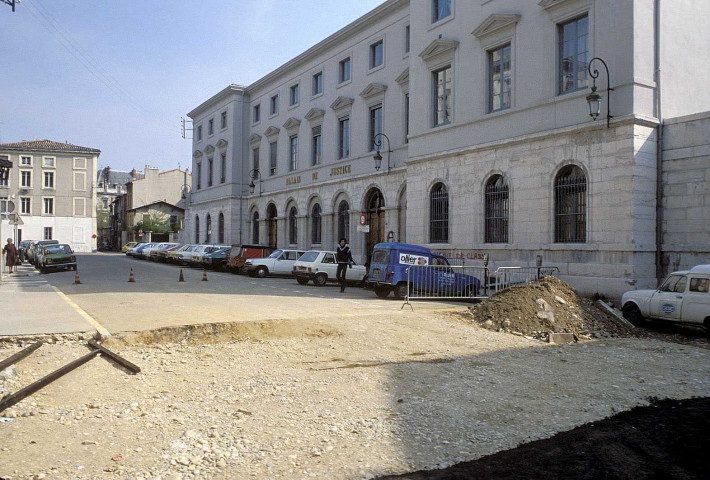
(255, 228)
(343, 219)
(496, 210)
(197, 229)
(208, 227)
(315, 224)
(220, 228)
(571, 205)
(292, 225)
(439, 214)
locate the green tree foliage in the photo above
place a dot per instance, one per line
(154, 222)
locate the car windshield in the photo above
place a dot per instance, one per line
(276, 254)
(57, 249)
(309, 257)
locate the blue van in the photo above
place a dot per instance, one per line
(388, 272)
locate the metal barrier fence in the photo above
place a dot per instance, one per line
(447, 282)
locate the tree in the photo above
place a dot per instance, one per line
(155, 222)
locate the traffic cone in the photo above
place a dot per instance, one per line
(76, 278)
(204, 275)
(131, 277)
(182, 277)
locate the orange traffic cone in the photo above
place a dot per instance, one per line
(131, 277)
(76, 278)
(182, 277)
(204, 275)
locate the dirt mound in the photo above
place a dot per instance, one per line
(544, 306)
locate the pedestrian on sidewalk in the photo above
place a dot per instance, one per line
(12, 256)
(345, 260)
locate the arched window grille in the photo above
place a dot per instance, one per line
(220, 228)
(292, 226)
(497, 210)
(315, 224)
(439, 214)
(255, 228)
(208, 227)
(571, 205)
(197, 229)
(343, 219)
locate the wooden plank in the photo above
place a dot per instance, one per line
(115, 357)
(21, 394)
(615, 313)
(19, 356)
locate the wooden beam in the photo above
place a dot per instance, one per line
(115, 357)
(19, 356)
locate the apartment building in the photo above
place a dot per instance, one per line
(50, 186)
(465, 126)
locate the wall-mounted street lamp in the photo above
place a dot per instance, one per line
(377, 142)
(185, 191)
(594, 99)
(390, 236)
(254, 174)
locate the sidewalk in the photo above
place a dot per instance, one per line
(30, 306)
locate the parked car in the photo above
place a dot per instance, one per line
(138, 249)
(238, 255)
(683, 297)
(280, 262)
(388, 272)
(161, 255)
(185, 256)
(217, 259)
(131, 251)
(199, 253)
(34, 250)
(22, 249)
(321, 267)
(147, 253)
(56, 256)
(125, 248)
(173, 255)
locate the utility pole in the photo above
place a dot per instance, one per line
(11, 3)
(185, 124)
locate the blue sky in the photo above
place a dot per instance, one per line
(118, 75)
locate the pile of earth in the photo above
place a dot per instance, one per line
(544, 306)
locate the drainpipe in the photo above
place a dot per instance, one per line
(659, 143)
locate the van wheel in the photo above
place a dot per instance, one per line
(302, 280)
(401, 290)
(320, 279)
(382, 292)
(471, 291)
(261, 272)
(632, 314)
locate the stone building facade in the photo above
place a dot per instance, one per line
(479, 112)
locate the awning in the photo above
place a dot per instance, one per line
(5, 163)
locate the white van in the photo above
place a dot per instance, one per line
(684, 297)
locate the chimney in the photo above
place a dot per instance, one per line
(133, 174)
(108, 175)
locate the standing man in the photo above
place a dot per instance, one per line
(344, 259)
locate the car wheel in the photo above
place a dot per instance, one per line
(363, 282)
(632, 314)
(320, 279)
(382, 292)
(42, 270)
(302, 280)
(401, 290)
(262, 272)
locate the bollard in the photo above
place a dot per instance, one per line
(204, 275)
(182, 277)
(77, 281)
(131, 277)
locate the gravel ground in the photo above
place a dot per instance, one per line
(325, 398)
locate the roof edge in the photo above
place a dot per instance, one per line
(232, 88)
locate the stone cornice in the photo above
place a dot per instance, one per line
(341, 102)
(495, 23)
(373, 89)
(314, 114)
(222, 143)
(548, 4)
(272, 131)
(292, 123)
(209, 149)
(439, 48)
(196, 154)
(217, 98)
(255, 138)
(403, 77)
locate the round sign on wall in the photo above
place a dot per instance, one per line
(363, 219)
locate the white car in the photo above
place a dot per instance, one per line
(199, 254)
(321, 267)
(280, 262)
(684, 297)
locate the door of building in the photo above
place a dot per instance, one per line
(375, 209)
(271, 225)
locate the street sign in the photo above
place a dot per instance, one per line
(363, 228)
(16, 220)
(363, 219)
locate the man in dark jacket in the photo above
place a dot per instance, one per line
(345, 259)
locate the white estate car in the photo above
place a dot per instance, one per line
(321, 267)
(684, 297)
(280, 262)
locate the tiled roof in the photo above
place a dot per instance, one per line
(118, 177)
(47, 146)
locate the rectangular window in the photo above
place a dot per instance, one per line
(377, 54)
(210, 171)
(222, 168)
(294, 93)
(79, 163)
(79, 207)
(25, 206)
(257, 113)
(48, 206)
(48, 179)
(344, 70)
(440, 9)
(344, 137)
(79, 180)
(407, 38)
(199, 132)
(499, 79)
(48, 162)
(442, 96)
(375, 124)
(318, 83)
(274, 105)
(223, 120)
(25, 179)
(406, 118)
(198, 170)
(317, 152)
(4, 178)
(255, 158)
(273, 157)
(573, 53)
(210, 127)
(26, 161)
(47, 233)
(294, 152)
